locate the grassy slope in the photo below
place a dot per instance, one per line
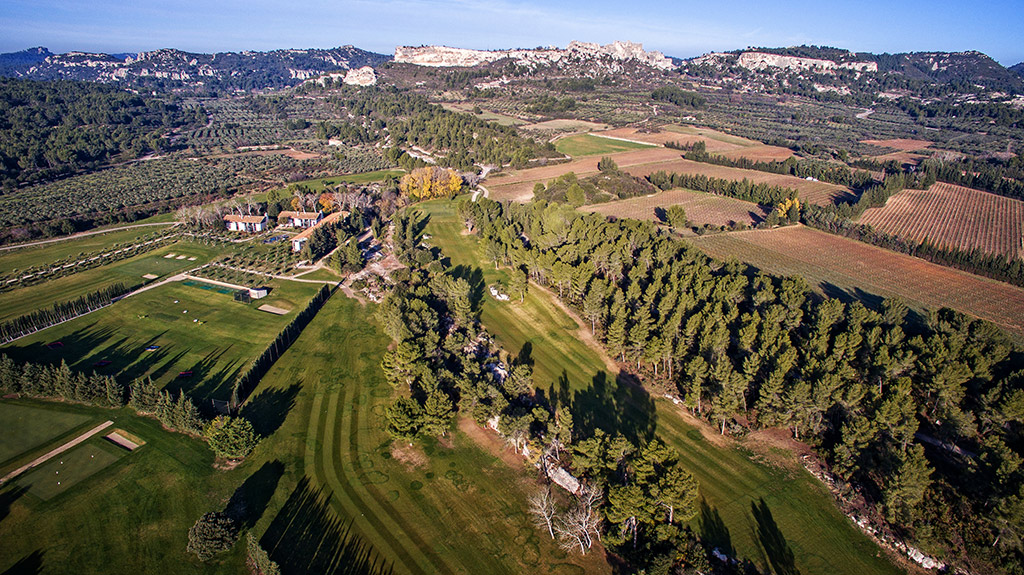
(24, 300)
(822, 539)
(231, 335)
(590, 145)
(460, 510)
(132, 517)
(27, 430)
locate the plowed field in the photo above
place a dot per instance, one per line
(953, 216)
(836, 264)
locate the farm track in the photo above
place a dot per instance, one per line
(953, 217)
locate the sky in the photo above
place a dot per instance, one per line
(677, 28)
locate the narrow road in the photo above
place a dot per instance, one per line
(42, 459)
(82, 235)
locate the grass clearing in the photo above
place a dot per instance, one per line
(24, 300)
(28, 429)
(822, 539)
(701, 208)
(214, 349)
(500, 119)
(848, 269)
(591, 145)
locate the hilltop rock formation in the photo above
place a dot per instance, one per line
(444, 56)
(762, 60)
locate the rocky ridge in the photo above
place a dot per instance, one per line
(446, 56)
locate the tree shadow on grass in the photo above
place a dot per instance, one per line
(268, 409)
(27, 565)
(307, 537)
(776, 549)
(619, 406)
(250, 500)
(713, 531)
(7, 498)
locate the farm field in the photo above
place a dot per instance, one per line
(730, 481)
(23, 258)
(591, 145)
(350, 494)
(716, 142)
(701, 208)
(215, 351)
(953, 217)
(120, 513)
(517, 185)
(564, 126)
(820, 193)
(23, 300)
(501, 119)
(854, 270)
(27, 430)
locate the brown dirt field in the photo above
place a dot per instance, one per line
(819, 193)
(491, 443)
(838, 263)
(902, 144)
(411, 456)
(953, 216)
(713, 146)
(700, 208)
(290, 152)
(760, 153)
(565, 125)
(901, 157)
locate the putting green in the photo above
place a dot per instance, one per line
(71, 468)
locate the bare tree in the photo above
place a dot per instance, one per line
(542, 507)
(580, 525)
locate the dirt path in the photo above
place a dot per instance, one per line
(53, 453)
(583, 333)
(82, 235)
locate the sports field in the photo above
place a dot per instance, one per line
(23, 258)
(850, 269)
(822, 539)
(701, 208)
(204, 332)
(591, 145)
(118, 512)
(24, 300)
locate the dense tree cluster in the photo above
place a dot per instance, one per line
(59, 382)
(679, 97)
(763, 194)
(431, 182)
(52, 128)
(212, 534)
(923, 420)
(608, 184)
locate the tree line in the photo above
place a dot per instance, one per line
(742, 348)
(231, 437)
(60, 312)
(258, 367)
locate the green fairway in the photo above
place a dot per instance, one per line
(123, 513)
(24, 300)
(23, 258)
(822, 539)
(70, 468)
(27, 428)
(205, 332)
(591, 145)
(444, 507)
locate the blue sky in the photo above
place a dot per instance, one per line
(681, 28)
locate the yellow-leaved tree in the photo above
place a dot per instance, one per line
(430, 182)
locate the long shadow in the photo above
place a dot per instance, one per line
(525, 356)
(250, 500)
(7, 498)
(713, 531)
(27, 565)
(268, 409)
(475, 277)
(307, 537)
(777, 550)
(619, 406)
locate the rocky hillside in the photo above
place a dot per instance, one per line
(1018, 69)
(444, 56)
(170, 69)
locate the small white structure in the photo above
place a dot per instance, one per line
(498, 295)
(300, 240)
(302, 219)
(250, 224)
(258, 292)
